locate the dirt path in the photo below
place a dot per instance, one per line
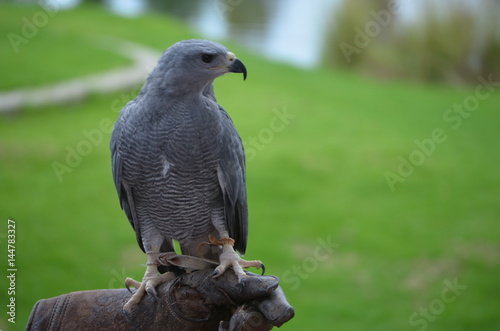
(144, 59)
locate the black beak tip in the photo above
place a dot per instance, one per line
(238, 67)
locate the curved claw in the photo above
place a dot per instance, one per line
(241, 284)
(152, 292)
(215, 274)
(128, 288)
(127, 315)
(263, 267)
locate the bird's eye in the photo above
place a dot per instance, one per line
(207, 58)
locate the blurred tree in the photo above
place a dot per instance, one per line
(451, 43)
(356, 24)
(445, 44)
(246, 17)
(490, 57)
(341, 46)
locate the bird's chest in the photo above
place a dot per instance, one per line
(185, 138)
(173, 150)
(193, 138)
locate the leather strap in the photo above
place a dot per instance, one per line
(186, 261)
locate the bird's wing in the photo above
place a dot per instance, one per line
(125, 194)
(231, 174)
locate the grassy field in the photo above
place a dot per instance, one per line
(354, 251)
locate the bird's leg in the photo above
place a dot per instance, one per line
(229, 258)
(150, 280)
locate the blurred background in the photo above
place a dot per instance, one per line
(371, 130)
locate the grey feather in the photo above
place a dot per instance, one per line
(231, 174)
(178, 162)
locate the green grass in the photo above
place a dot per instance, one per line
(320, 178)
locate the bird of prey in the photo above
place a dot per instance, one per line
(179, 166)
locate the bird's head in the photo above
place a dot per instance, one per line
(193, 64)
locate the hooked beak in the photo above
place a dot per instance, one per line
(236, 65)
